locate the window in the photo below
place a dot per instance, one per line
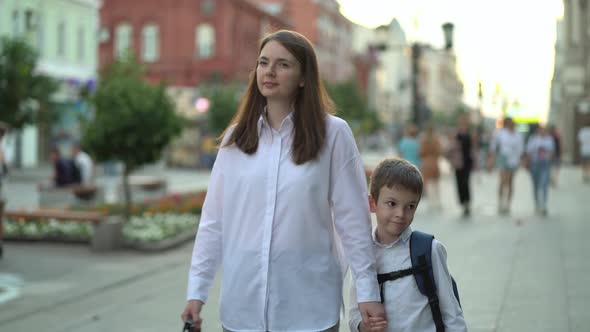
(151, 43)
(123, 35)
(61, 39)
(207, 7)
(15, 24)
(81, 43)
(40, 34)
(205, 41)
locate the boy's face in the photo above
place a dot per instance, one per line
(394, 210)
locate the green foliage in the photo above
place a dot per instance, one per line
(24, 94)
(134, 120)
(352, 107)
(224, 105)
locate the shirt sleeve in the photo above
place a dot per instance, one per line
(449, 306)
(350, 206)
(206, 255)
(354, 315)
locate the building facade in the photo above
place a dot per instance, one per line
(188, 43)
(323, 24)
(64, 32)
(570, 104)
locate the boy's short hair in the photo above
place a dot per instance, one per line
(395, 172)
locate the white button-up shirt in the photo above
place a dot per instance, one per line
(407, 309)
(276, 227)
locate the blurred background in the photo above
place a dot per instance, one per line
(110, 112)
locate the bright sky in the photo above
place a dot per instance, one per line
(510, 42)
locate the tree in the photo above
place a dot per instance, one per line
(24, 94)
(134, 120)
(352, 107)
(224, 105)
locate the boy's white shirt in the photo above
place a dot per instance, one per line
(407, 309)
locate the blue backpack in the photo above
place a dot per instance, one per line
(421, 256)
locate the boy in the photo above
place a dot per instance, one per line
(395, 191)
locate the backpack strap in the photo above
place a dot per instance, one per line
(421, 256)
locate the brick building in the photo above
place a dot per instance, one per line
(323, 24)
(186, 42)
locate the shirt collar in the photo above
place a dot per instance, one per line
(263, 121)
(404, 237)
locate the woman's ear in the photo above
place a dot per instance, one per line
(301, 84)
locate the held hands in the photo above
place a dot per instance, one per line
(192, 311)
(373, 315)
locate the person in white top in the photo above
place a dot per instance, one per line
(83, 163)
(584, 140)
(506, 149)
(287, 186)
(540, 151)
(395, 192)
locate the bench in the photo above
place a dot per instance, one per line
(144, 188)
(76, 195)
(107, 229)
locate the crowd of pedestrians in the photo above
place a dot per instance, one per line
(505, 148)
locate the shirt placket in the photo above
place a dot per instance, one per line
(272, 185)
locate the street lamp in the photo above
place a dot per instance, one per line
(448, 32)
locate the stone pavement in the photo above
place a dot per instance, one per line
(515, 273)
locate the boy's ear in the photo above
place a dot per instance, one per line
(371, 204)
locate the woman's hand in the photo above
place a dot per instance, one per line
(192, 311)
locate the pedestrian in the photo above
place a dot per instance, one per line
(464, 145)
(556, 135)
(506, 149)
(584, 140)
(540, 151)
(84, 164)
(288, 181)
(64, 170)
(409, 146)
(395, 192)
(430, 152)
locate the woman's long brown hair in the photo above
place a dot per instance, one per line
(311, 104)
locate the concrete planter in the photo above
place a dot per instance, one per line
(108, 234)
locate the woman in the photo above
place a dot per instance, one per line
(465, 145)
(287, 178)
(540, 151)
(430, 152)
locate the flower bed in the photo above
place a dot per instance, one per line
(151, 228)
(50, 230)
(171, 203)
(147, 232)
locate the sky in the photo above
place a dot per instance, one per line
(505, 42)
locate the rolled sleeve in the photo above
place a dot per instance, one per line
(207, 250)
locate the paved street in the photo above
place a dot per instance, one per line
(515, 273)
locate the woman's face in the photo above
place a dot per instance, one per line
(278, 74)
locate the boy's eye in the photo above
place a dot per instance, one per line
(411, 207)
(390, 204)
(261, 62)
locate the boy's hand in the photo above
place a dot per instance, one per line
(373, 315)
(378, 325)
